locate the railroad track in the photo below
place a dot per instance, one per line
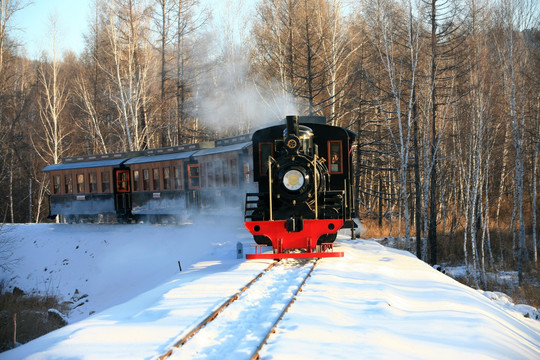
(240, 327)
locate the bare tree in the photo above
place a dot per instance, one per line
(92, 125)
(305, 46)
(534, 180)
(338, 49)
(51, 145)
(513, 17)
(126, 24)
(7, 9)
(399, 113)
(446, 37)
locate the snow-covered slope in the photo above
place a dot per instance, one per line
(375, 303)
(98, 266)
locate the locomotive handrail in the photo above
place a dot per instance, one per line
(315, 189)
(270, 159)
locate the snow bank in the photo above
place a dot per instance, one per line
(375, 303)
(97, 266)
(382, 303)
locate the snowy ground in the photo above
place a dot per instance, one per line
(375, 303)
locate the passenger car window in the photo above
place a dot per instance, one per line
(105, 181)
(166, 178)
(92, 180)
(56, 184)
(80, 183)
(146, 179)
(178, 177)
(68, 184)
(193, 174)
(155, 178)
(136, 180)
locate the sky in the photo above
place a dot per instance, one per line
(32, 25)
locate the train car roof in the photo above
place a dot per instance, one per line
(161, 157)
(276, 129)
(223, 149)
(85, 164)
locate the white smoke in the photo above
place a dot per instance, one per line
(232, 102)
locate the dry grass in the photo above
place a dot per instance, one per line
(451, 253)
(31, 315)
(371, 229)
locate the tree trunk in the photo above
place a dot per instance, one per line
(432, 232)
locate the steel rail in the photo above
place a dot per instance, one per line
(255, 355)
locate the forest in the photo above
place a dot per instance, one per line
(444, 95)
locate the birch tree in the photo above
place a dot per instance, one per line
(514, 16)
(184, 64)
(399, 114)
(13, 98)
(126, 24)
(54, 130)
(474, 153)
(7, 9)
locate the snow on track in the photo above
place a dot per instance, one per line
(240, 328)
(149, 324)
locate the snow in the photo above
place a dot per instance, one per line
(132, 301)
(241, 327)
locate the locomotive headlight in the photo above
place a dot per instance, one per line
(293, 180)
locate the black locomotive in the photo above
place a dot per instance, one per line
(303, 170)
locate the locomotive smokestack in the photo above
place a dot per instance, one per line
(292, 125)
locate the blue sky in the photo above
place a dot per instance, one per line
(31, 25)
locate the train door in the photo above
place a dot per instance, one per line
(193, 186)
(122, 194)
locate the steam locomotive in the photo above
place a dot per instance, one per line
(296, 179)
(303, 171)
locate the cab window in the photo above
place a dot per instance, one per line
(335, 157)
